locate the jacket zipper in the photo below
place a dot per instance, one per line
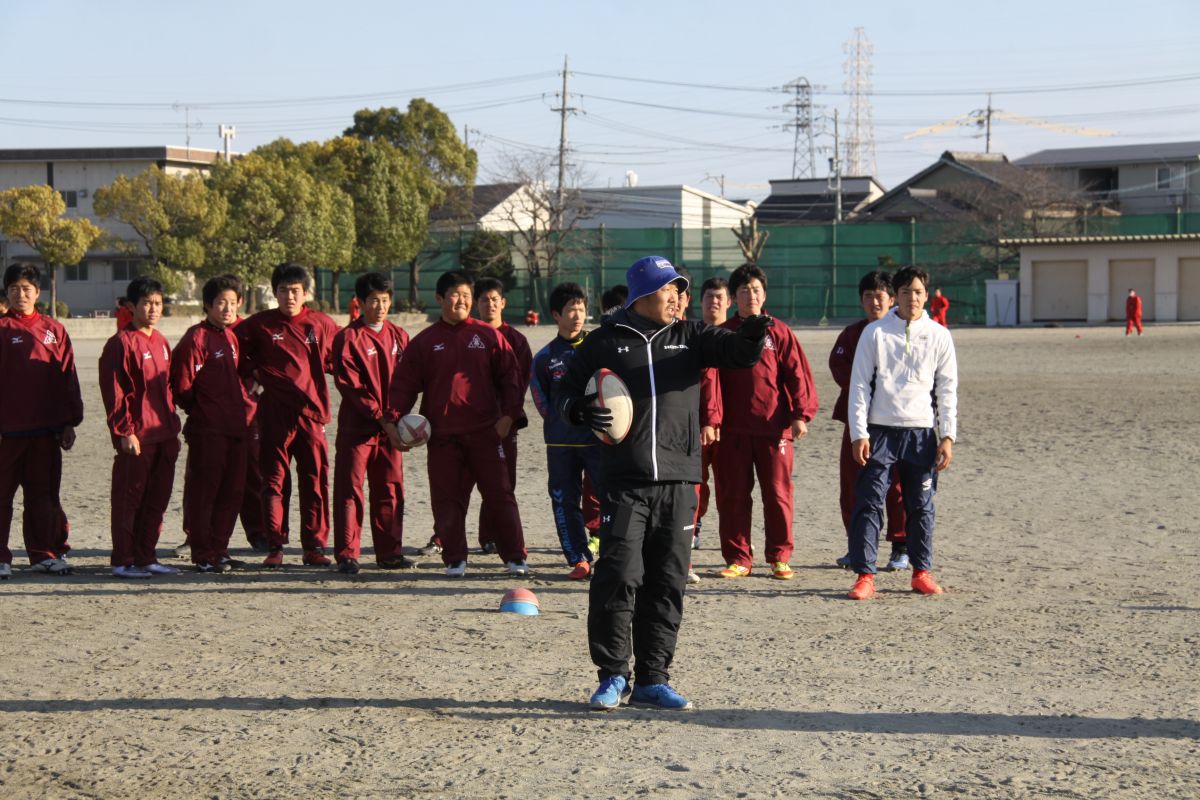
(653, 392)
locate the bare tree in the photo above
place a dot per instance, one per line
(545, 232)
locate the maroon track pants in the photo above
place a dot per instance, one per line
(738, 460)
(707, 455)
(848, 472)
(373, 460)
(141, 490)
(35, 466)
(456, 463)
(285, 436)
(214, 481)
(510, 458)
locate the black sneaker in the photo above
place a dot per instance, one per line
(259, 544)
(232, 564)
(397, 563)
(205, 567)
(432, 548)
(348, 567)
(489, 549)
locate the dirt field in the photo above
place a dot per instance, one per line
(1064, 660)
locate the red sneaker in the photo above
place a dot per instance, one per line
(581, 570)
(274, 559)
(316, 558)
(864, 587)
(923, 583)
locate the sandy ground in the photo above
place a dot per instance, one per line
(1064, 660)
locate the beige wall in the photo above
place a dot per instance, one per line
(1189, 288)
(1156, 270)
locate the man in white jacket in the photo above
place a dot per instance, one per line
(903, 413)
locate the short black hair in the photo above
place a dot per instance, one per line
(682, 271)
(614, 297)
(566, 293)
(906, 275)
(744, 274)
(455, 277)
(487, 284)
(221, 283)
(143, 286)
(715, 283)
(874, 281)
(370, 282)
(22, 270)
(289, 273)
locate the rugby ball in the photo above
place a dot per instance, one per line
(414, 430)
(612, 393)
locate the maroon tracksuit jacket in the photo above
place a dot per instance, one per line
(41, 397)
(363, 364)
(758, 408)
(289, 358)
(841, 362)
(205, 383)
(520, 347)
(134, 378)
(468, 378)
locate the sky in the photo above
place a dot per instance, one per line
(676, 92)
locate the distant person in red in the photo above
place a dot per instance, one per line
(355, 308)
(938, 306)
(471, 393)
(531, 318)
(205, 383)
(876, 295)
(134, 369)
(1133, 313)
(39, 411)
(715, 303)
(365, 356)
(764, 410)
(124, 313)
(288, 350)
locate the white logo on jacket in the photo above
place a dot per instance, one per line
(312, 337)
(768, 342)
(439, 347)
(218, 354)
(675, 347)
(276, 337)
(17, 340)
(623, 349)
(50, 338)
(370, 351)
(476, 343)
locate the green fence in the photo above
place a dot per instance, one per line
(812, 270)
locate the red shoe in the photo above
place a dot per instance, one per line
(581, 570)
(274, 559)
(923, 583)
(316, 558)
(864, 587)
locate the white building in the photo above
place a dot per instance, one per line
(96, 282)
(678, 206)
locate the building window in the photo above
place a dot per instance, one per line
(71, 199)
(126, 269)
(77, 273)
(1170, 178)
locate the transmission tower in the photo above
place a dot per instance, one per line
(804, 164)
(860, 134)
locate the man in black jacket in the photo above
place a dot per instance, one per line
(650, 477)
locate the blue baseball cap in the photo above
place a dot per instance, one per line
(648, 275)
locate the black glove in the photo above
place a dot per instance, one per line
(755, 328)
(597, 418)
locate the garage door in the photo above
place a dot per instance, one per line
(1189, 288)
(1130, 273)
(1059, 290)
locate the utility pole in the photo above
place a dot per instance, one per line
(987, 140)
(227, 133)
(835, 166)
(563, 109)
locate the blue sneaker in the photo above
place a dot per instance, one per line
(659, 695)
(898, 561)
(613, 692)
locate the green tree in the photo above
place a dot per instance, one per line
(278, 212)
(33, 215)
(488, 253)
(175, 217)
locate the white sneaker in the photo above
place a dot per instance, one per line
(183, 551)
(457, 569)
(517, 567)
(5, 571)
(52, 566)
(130, 572)
(155, 568)
(692, 577)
